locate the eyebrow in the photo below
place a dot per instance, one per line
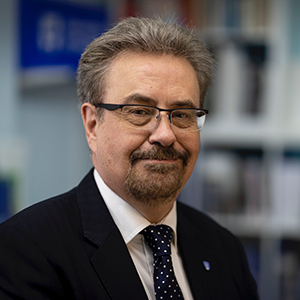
(141, 99)
(184, 103)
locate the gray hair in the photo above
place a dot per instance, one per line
(140, 35)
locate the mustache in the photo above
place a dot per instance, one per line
(160, 153)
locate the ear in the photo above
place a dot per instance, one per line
(90, 120)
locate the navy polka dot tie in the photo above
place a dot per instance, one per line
(165, 284)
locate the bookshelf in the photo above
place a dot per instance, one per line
(248, 173)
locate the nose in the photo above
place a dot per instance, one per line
(163, 132)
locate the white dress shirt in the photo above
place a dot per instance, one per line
(130, 222)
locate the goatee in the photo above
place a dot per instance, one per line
(156, 184)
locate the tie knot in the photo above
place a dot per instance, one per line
(159, 239)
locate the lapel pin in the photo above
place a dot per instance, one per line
(206, 265)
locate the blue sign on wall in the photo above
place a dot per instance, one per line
(5, 199)
(55, 34)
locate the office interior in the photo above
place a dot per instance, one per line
(247, 176)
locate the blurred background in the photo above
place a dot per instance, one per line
(248, 173)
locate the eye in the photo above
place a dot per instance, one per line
(140, 111)
(179, 115)
(182, 115)
(144, 112)
(184, 118)
(138, 115)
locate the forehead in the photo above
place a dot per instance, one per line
(161, 77)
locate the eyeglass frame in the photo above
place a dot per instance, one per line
(112, 107)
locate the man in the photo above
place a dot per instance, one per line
(142, 86)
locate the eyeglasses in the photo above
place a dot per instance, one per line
(146, 117)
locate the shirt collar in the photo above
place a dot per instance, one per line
(129, 220)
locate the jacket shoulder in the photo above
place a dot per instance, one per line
(45, 214)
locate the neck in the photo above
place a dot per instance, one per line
(153, 214)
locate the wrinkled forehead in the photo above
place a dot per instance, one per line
(153, 76)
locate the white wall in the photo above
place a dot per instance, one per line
(58, 156)
(41, 133)
(8, 51)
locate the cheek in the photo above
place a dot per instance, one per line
(117, 146)
(197, 148)
(192, 144)
(193, 147)
(109, 150)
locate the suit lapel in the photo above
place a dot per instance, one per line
(194, 254)
(116, 269)
(111, 258)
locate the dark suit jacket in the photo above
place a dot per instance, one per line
(69, 247)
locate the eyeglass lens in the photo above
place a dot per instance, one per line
(142, 117)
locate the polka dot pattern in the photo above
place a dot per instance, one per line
(165, 284)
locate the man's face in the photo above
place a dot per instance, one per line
(148, 166)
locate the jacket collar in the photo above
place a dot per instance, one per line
(110, 257)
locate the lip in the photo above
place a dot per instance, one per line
(160, 161)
